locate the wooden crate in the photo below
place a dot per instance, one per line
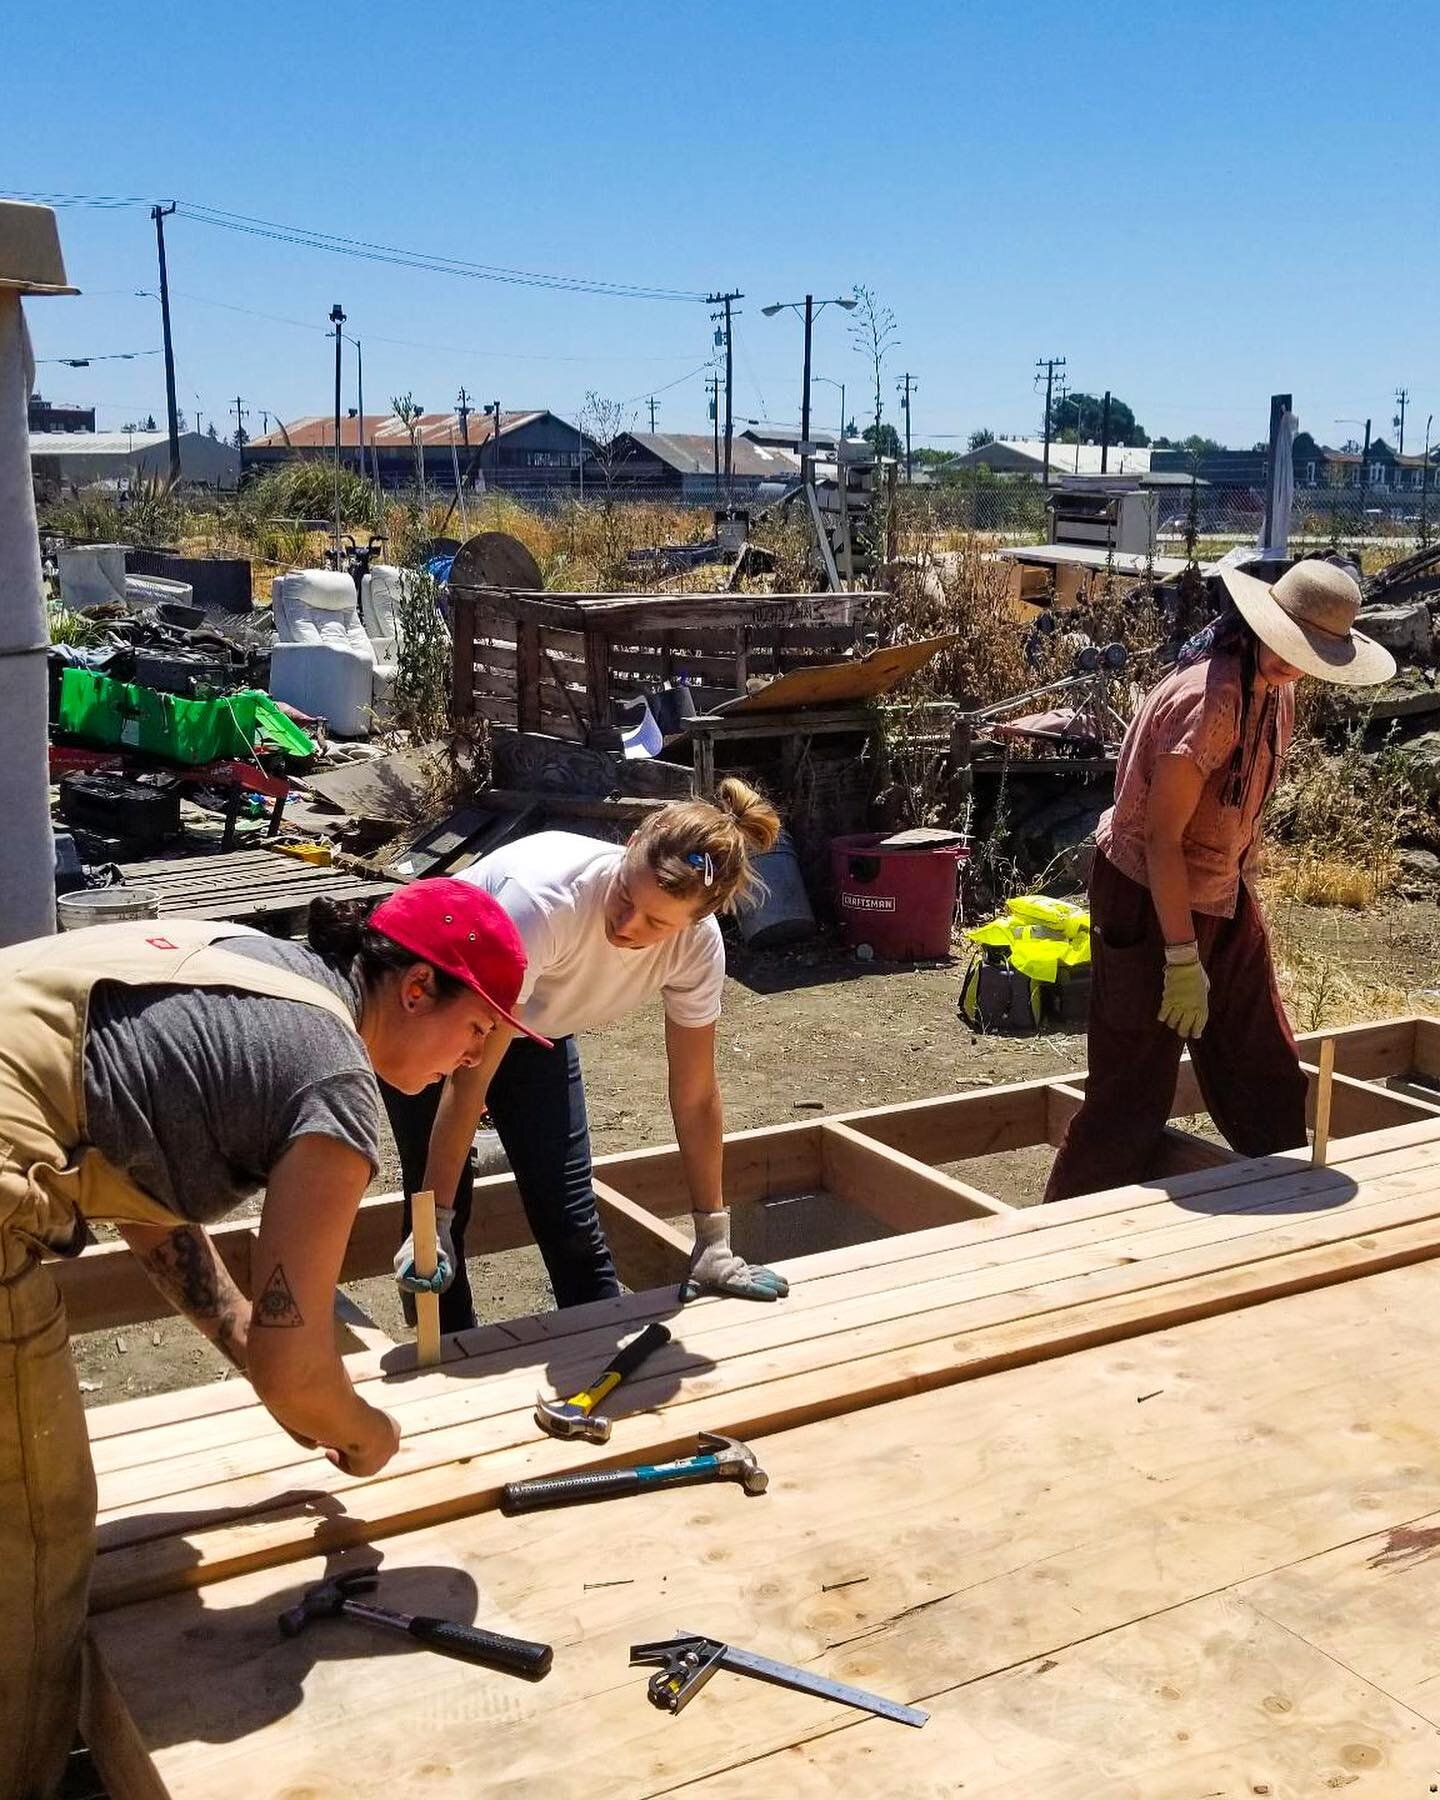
(554, 662)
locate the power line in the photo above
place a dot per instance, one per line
(336, 244)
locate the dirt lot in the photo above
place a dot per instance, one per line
(816, 1032)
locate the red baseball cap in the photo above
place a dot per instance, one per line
(464, 931)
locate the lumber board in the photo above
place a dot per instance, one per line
(439, 1425)
(893, 1187)
(648, 1252)
(1077, 1503)
(583, 1332)
(770, 1389)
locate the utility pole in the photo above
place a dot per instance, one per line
(727, 301)
(1425, 486)
(906, 386)
(1105, 434)
(652, 415)
(337, 319)
(1402, 400)
(1049, 364)
(713, 386)
(463, 410)
(493, 410)
(242, 437)
(360, 402)
(160, 214)
(1364, 476)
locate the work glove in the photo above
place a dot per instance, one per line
(716, 1269)
(445, 1258)
(1185, 1003)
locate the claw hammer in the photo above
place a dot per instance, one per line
(576, 1417)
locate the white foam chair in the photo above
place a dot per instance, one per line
(323, 662)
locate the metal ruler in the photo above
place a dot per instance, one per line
(688, 1660)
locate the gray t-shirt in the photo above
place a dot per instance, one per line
(195, 1093)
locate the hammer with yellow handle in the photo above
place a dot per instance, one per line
(577, 1417)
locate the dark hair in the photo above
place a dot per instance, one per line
(1230, 634)
(340, 931)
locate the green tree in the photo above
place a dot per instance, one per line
(884, 440)
(1079, 418)
(979, 439)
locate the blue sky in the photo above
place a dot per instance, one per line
(1196, 205)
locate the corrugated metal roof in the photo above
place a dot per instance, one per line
(693, 453)
(317, 431)
(1076, 459)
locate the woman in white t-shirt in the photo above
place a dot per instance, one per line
(606, 928)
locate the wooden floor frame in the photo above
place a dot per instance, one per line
(882, 1160)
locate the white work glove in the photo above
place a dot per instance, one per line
(1185, 1003)
(716, 1269)
(444, 1258)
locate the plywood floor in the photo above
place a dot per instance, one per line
(1139, 1494)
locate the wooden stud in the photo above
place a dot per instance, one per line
(648, 1252)
(895, 1188)
(1323, 1093)
(427, 1306)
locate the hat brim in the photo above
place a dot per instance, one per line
(466, 979)
(1350, 661)
(17, 285)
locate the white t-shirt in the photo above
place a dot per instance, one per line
(553, 886)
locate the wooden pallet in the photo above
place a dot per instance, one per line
(1143, 1501)
(255, 887)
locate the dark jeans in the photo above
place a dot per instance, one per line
(1245, 1060)
(537, 1104)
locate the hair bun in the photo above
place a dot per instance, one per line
(755, 818)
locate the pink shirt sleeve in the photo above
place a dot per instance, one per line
(1201, 721)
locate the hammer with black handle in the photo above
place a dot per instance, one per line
(577, 1417)
(467, 1643)
(716, 1459)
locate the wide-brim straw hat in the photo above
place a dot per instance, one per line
(1308, 618)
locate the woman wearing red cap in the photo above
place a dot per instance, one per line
(158, 1076)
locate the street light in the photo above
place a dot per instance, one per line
(807, 308)
(841, 385)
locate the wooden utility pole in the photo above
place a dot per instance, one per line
(652, 415)
(1105, 434)
(907, 385)
(1402, 400)
(726, 301)
(1049, 364)
(160, 214)
(242, 437)
(463, 410)
(713, 384)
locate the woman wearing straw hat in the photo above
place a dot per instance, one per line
(1181, 954)
(158, 1075)
(606, 930)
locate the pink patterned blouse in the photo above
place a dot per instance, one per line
(1195, 712)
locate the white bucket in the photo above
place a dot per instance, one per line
(105, 906)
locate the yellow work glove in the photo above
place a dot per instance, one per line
(1185, 1003)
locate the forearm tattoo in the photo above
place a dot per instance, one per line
(275, 1303)
(188, 1271)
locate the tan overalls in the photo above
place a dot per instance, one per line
(51, 1182)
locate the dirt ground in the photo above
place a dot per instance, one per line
(814, 1032)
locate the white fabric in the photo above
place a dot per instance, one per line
(27, 862)
(553, 885)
